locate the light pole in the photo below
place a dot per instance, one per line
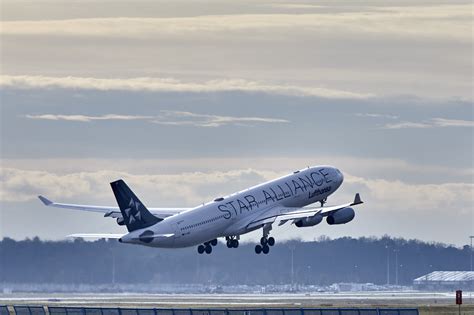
(309, 274)
(112, 254)
(113, 267)
(396, 265)
(292, 249)
(356, 274)
(388, 265)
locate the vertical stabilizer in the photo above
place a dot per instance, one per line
(135, 214)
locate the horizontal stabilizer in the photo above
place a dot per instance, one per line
(109, 211)
(96, 235)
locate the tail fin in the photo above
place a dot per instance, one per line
(135, 214)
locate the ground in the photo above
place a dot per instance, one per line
(427, 303)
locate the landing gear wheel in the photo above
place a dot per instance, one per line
(258, 249)
(263, 241)
(265, 249)
(271, 241)
(214, 242)
(232, 241)
(208, 249)
(201, 249)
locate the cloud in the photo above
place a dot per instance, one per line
(388, 195)
(369, 168)
(296, 6)
(202, 120)
(432, 123)
(447, 21)
(168, 117)
(87, 118)
(172, 85)
(372, 115)
(442, 122)
(193, 188)
(181, 189)
(413, 209)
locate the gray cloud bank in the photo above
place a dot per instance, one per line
(195, 187)
(337, 49)
(432, 21)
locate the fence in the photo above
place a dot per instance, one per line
(39, 310)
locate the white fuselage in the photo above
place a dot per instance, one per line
(231, 215)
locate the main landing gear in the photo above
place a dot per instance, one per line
(207, 247)
(232, 241)
(265, 242)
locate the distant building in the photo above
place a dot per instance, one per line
(445, 281)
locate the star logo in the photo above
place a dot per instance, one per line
(133, 211)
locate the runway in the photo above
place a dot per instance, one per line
(236, 300)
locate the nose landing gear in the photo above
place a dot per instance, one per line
(323, 201)
(207, 247)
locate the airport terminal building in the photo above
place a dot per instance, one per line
(445, 281)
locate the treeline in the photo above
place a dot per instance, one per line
(321, 262)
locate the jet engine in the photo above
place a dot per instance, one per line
(120, 221)
(309, 221)
(342, 216)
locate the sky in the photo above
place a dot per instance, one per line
(191, 100)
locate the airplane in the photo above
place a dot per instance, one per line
(282, 200)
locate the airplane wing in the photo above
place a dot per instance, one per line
(114, 236)
(113, 212)
(284, 215)
(96, 235)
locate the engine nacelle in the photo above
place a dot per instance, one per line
(309, 221)
(342, 216)
(120, 221)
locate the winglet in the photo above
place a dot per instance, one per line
(357, 200)
(45, 200)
